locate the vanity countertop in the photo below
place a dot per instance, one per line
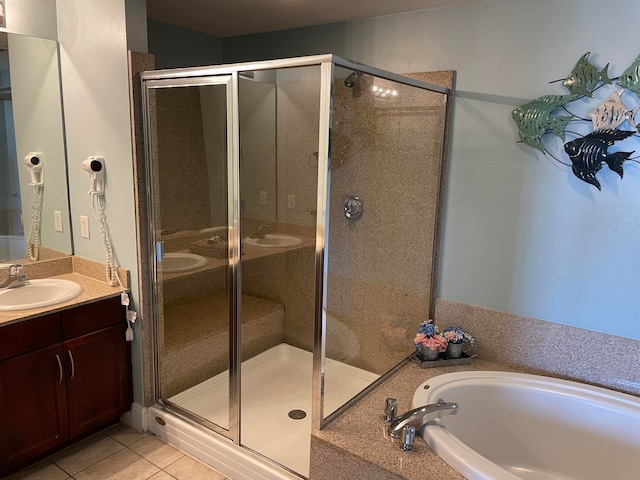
(356, 443)
(93, 290)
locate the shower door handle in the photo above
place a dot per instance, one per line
(159, 251)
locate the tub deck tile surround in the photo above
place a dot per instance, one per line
(569, 352)
(358, 439)
(357, 442)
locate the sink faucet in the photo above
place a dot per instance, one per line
(15, 278)
(260, 232)
(397, 423)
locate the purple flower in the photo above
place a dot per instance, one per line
(457, 335)
(426, 328)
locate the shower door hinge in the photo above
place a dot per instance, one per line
(159, 251)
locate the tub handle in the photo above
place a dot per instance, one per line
(408, 436)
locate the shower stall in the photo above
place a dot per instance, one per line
(294, 222)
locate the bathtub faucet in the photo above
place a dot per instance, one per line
(15, 278)
(398, 423)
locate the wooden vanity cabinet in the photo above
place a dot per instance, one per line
(62, 376)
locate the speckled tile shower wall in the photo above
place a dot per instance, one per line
(386, 151)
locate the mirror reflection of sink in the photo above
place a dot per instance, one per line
(39, 293)
(273, 240)
(222, 231)
(182, 262)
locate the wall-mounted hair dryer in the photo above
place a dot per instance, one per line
(34, 162)
(94, 166)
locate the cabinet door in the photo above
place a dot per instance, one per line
(33, 409)
(98, 378)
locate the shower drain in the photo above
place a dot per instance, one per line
(297, 414)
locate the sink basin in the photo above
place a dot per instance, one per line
(182, 262)
(39, 293)
(273, 240)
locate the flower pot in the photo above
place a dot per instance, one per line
(454, 350)
(429, 353)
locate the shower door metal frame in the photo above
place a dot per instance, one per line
(327, 64)
(150, 80)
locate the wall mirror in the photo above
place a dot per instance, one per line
(31, 121)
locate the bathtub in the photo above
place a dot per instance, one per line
(11, 247)
(516, 426)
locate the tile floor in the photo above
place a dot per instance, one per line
(119, 453)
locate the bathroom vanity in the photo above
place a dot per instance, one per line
(63, 375)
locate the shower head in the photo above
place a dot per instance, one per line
(352, 79)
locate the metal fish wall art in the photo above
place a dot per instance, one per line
(630, 78)
(534, 119)
(585, 77)
(589, 152)
(612, 113)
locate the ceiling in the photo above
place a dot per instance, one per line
(227, 18)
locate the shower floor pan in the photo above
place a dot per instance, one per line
(276, 392)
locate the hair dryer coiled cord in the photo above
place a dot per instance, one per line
(111, 268)
(33, 237)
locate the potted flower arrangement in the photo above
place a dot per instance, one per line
(456, 337)
(429, 341)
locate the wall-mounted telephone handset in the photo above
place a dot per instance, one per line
(34, 162)
(94, 166)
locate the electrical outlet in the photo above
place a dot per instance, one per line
(263, 197)
(57, 220)
(84, 226)
(291, 201)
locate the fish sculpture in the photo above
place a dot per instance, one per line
(589, 153)
(534, 119)
(630, 78)
(612, 113)
(585, 77)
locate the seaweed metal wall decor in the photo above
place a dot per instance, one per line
(588, 152)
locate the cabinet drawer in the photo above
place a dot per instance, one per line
(23, 337)
(88, 318)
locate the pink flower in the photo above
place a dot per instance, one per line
(435, 342)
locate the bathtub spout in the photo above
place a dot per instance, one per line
(442, 408)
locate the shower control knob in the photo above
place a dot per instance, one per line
(352, 207)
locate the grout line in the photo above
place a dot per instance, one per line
(93, 464)
(176, 460)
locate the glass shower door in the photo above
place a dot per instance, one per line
(385, 171)
(188, 138)
(278, 119)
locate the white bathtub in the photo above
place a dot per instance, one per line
(516, 426)
(11, 247)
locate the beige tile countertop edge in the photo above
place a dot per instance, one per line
(93, 290)
(360, 434)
